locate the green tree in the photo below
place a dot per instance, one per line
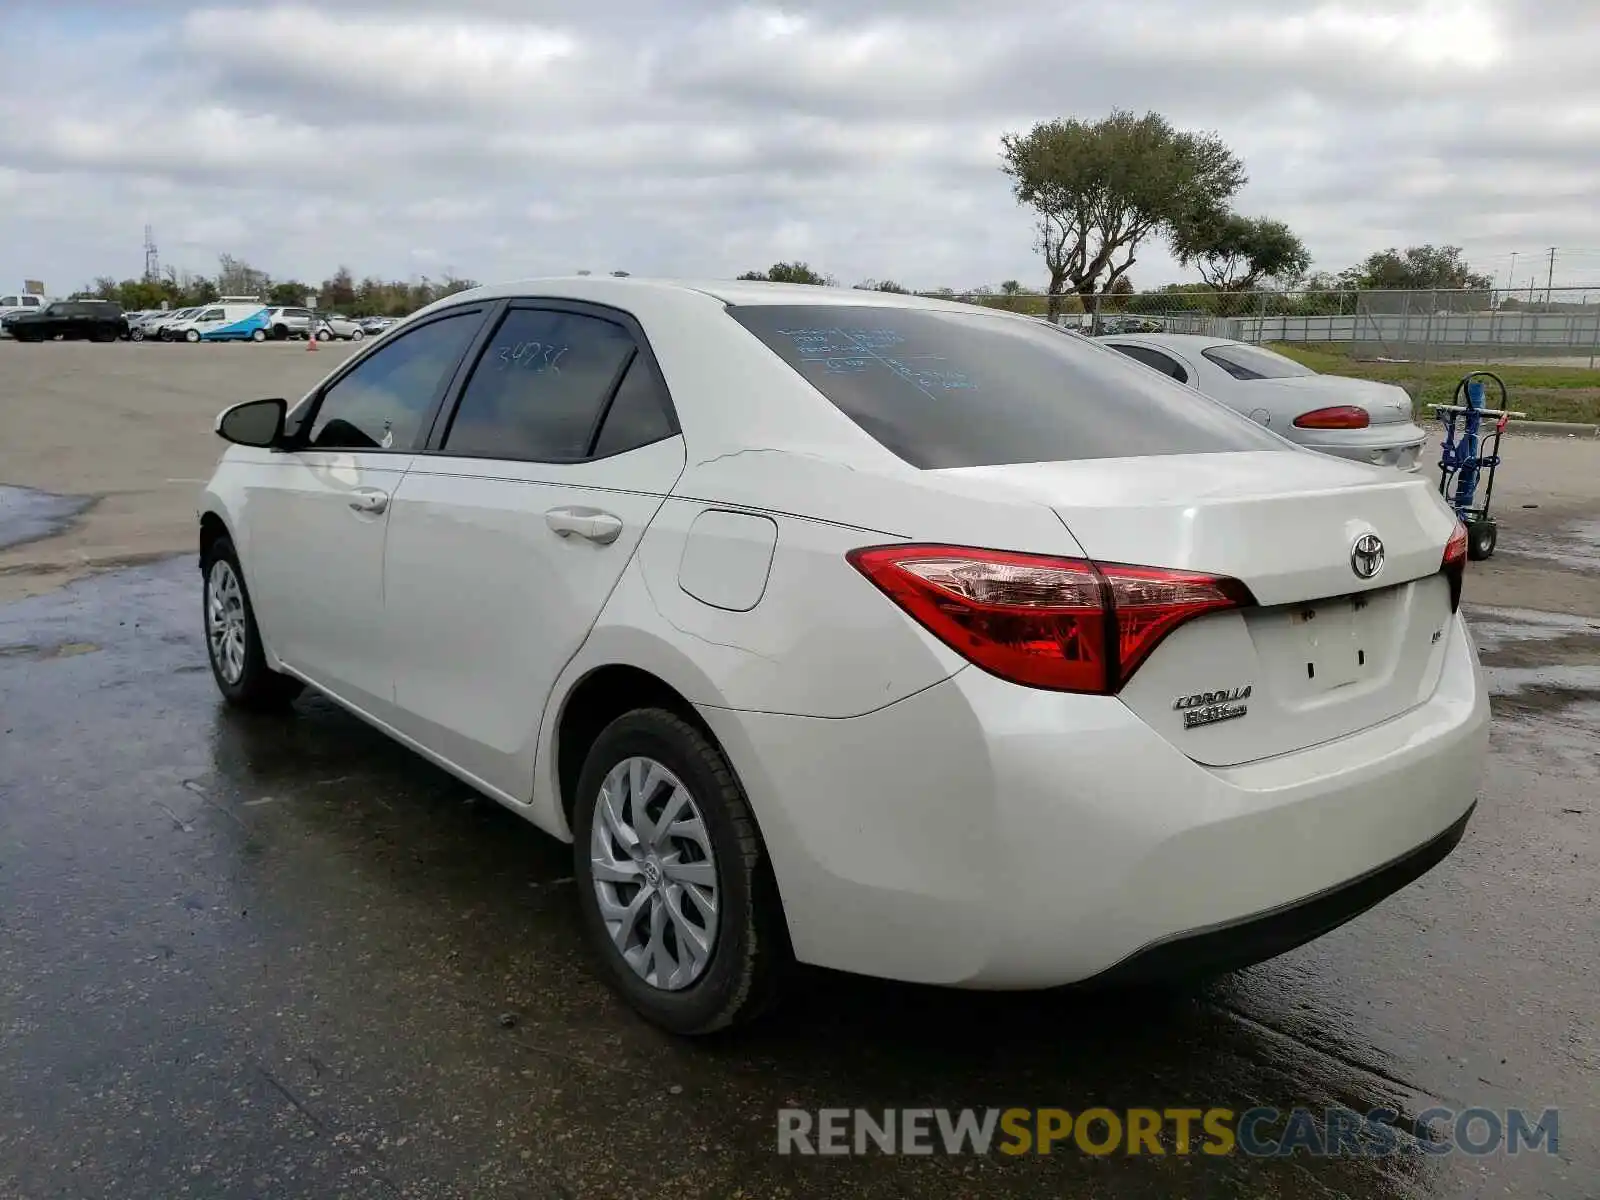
(338, 293)
(291, 293)
(1100, 188)
(786, 272)
(1115, 297)
(1234, 253)
(1416, 268)
(881, 285)
(451, 284)
(136, 295)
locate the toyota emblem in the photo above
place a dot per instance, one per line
(1366, 556)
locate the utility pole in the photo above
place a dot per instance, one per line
(1550, 278)
(1511, 275)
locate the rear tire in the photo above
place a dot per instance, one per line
(357, 336)
(258, 335)
(233, 640)
(1481, 538)
(658, 879)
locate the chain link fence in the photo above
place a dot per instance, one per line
(1550, 326)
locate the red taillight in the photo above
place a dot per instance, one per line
(1454, 565)
(1340, 416)
(1067, 624)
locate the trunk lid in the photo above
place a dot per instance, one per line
(1325, 652)
(1386, 403)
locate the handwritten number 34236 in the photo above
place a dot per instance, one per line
(538, 357)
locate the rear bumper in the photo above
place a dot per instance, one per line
(985, 835)
(1254, 939)
(1397, 446)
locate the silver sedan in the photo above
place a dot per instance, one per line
(1359, 419)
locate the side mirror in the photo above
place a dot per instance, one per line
(254, 423)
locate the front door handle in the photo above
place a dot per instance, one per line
(369, 500)
(592, 523)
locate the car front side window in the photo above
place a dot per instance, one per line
(382, 401)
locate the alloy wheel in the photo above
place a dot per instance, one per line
(225, 621)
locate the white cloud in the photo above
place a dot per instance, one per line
(509, 137)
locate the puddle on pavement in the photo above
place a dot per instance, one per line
(1575, 545)
(1544, 662)
(1498, 629)
(27, 515)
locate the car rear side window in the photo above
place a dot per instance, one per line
(952, 389)
(1252, 362)
(638, 415)
(537, 392)
(1153, 358)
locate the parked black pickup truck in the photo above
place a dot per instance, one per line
(97, 320)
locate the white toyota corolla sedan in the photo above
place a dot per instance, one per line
(891, 635)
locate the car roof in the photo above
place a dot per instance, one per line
(607, 289)
(1177, 341)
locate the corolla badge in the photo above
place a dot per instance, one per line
(1207, 708)
(1366, 556)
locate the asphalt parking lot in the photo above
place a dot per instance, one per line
(281, 957)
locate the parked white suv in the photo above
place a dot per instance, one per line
(897, 636)
(288, 323)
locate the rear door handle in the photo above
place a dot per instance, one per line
(369, 500)
(592, 523)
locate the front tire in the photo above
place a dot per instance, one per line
(191, 335)
(677, 900)
(258, 335)
(233, 640)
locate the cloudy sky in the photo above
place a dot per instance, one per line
(507, 138)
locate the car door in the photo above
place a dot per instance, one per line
(510, 531)
(207, 320)
(316, 514)
(62, 320)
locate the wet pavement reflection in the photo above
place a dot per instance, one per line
(27, 515)
(281, 956)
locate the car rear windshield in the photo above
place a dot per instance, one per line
(1252, 362)
(951, 389)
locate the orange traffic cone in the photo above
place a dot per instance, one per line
(311, 341)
